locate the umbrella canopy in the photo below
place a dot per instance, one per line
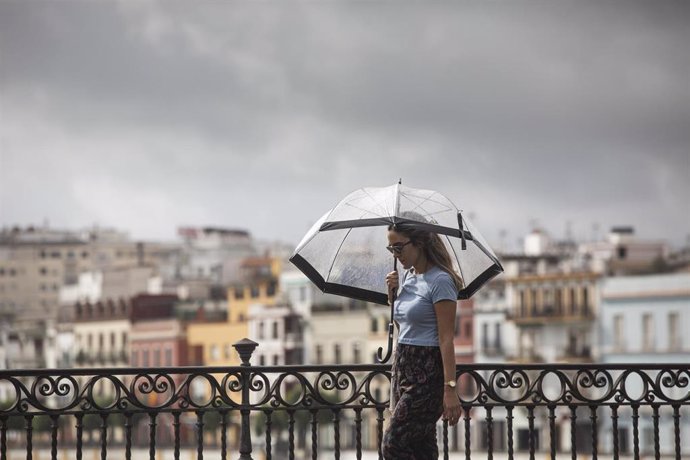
(344, 253)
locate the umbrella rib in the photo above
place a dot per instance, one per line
(363, 209)
(328, 276)
(368, 210)
(377, 203)
(429, 199)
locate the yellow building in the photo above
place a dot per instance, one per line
(217, 337)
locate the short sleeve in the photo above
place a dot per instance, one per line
(443, 288)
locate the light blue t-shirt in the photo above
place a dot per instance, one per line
(414, 307)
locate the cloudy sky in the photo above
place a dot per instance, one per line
(261, 115)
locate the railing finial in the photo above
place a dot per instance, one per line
(245, 348)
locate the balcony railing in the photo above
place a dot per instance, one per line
(289, 412)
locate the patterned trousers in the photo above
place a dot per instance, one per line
(418, 388)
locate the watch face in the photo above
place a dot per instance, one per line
(451, 383)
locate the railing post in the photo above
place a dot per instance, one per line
(245, 348)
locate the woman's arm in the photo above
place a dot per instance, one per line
(445, 318)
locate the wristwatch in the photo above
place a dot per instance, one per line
(450, 383)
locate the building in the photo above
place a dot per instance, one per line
(101, 333)
(258, 286)
(158, 336)
(645, 319)
(554, 315)
(214, 253)
(278, 330)
(623, 253)
(36, 263)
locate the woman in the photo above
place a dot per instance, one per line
(424, 364)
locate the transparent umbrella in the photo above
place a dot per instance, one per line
(344, 253)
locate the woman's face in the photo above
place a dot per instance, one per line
(403, 249)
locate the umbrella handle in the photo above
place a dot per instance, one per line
(379, 353)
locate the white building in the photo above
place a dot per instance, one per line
(646, 319)
(623, 253)
(279, 331)
(214, 253)
(494, 334)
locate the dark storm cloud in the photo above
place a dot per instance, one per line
(262, 115)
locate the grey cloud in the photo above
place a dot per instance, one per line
(257, 113)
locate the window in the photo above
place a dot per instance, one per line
(276, 360)
(356, 353)
(262, 360)
(101, 342)
(558, 301)
(673, 331)
(647, 332)
(319, 354)
(157, 357)
(112, 340)
(124, 340)
(485, 335)
(214, 353)
(239, 293)
(573, 302)
(523, 306)
(622, 252)
(260, 330)
(43, 271)
(228, 351)
(145, 358)
(497, 336)
(548, 301)
(168, 356)
(619, 332)
(468, 329)
(275, 329)
(134, 358)
(374, 325)
(254, 292)
(337, 353)
(271, 289)
(585, 301)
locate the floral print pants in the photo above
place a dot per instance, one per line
(418, 388)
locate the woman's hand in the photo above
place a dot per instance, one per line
(451, 406)
(392, 282)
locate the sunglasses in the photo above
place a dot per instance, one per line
(397, 248)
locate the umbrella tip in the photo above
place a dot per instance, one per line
(400, 181)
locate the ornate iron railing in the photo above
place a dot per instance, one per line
(332, 411)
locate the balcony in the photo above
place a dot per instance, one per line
(288, 412)
(550, 314)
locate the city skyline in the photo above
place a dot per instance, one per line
(150, 116)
